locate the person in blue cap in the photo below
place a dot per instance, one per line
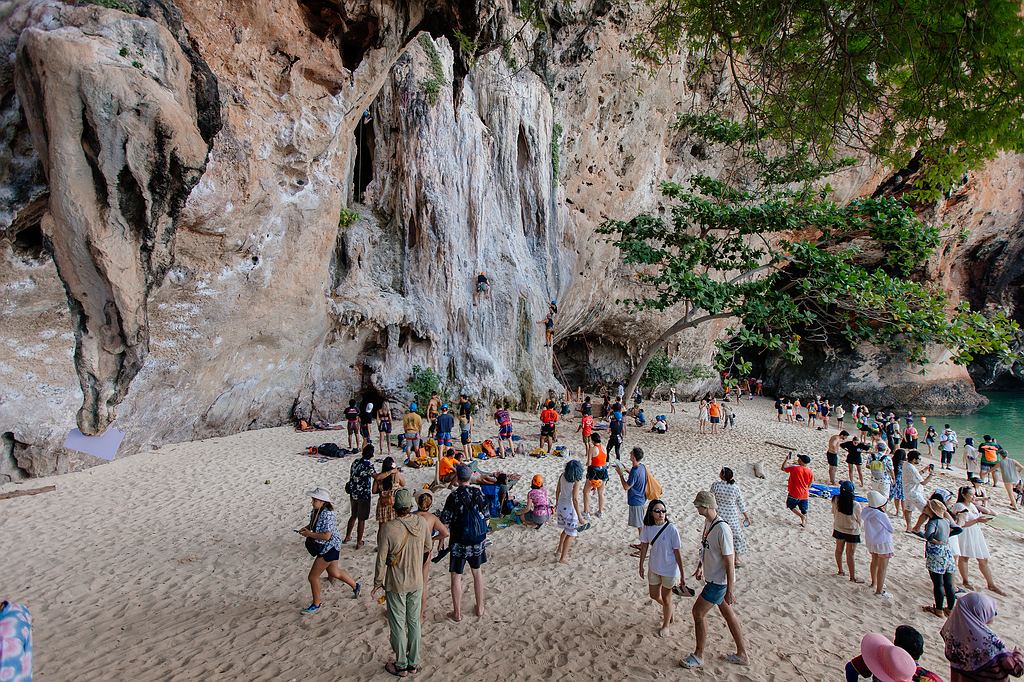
(412, 425)
(445, 425)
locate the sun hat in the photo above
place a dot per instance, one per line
(705, 499)
(463, 472)
(403, 499)
(537, 481)
(936, 508)
(887, 662)
(876, 499)
(319, 493)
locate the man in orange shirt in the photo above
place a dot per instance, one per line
(714, 414)
(548, 419)
(446, 468)
(798, 490)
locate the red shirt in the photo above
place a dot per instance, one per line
(588, 424)
(548, 416)
(800, 479)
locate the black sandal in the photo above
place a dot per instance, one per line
(393, 668)
(685, 591)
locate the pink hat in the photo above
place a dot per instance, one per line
(887, 662)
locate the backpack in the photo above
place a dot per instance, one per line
(471, 526)
(654, 490)
(989, 453)
(330, 450)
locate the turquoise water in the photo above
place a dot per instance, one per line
(1002, 418)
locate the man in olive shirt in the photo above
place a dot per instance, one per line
(412, 425)
(401, 545)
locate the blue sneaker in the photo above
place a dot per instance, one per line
(312, 608)
(356, 590)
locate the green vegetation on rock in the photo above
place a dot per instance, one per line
(347, 217)
(773, 252)
(932, 84)
(661, 372)
(423, 383)
(432, 86)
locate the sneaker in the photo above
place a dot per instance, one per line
(884, 595)
(356, 590)
(312, 608)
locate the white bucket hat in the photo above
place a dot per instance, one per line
(319, 493)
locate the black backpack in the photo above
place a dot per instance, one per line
(470, 527)
(330, 450)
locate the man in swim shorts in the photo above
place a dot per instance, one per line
(548, 420)
(832, 454)
(412, 425)
(504, 421)
(798, 490)
(445, 425)
(352, 423)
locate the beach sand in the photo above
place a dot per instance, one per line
(182, 564)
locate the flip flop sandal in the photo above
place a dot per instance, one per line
(392, 668)
(683, 591)
(692, 663)
(412, 669)
(734, 659)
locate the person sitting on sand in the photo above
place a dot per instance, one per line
(321, 535)
(567, 507)
(538, 507)
(938, 557)
(798, 489)
(444, 473)
(846, 526)
(974, 651)
(438, 534)
(401, 544)
(636, 490)
(661, 538)
(906, 638)
(715, 567)
(660, 424)
(878, 540)
(465, 513)
(360, 491)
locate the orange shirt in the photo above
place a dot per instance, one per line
(447, 466)
(600, 457)
(588, 425)
(548, 416)
(715, 410)
(800, 478)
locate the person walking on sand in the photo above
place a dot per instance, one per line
(661, 537)
(971, 542)
(567, 508)
(938, 557)
(503, 419)
(359, 489)
(672, 399)
(401, 544)
(730, 505)
(832, 454)
(1010, 471)
(855, 458)
(846, 526)
(636, 490)
(465, 513)
(321, 535)
(366, 416)
(878, 540)
(438, 534)
(798, 489)
(715, 567)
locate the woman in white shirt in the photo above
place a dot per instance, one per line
(665, 568)
(914, 499)
(969, 515)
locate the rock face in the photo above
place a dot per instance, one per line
(175, 256)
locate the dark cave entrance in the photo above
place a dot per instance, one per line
(590, 361)
(362, 173)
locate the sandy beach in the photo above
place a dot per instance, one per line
(181, 564)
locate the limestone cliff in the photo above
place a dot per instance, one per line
(178, 256)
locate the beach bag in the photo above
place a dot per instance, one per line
(330, 450)
(313, 546)
(488, 447)
(654, 490)
(989, 453)
(471, 526)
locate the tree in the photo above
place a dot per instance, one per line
(661, 372)
(773, 252)
(939, 82)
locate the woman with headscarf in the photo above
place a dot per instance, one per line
(974, 652)
(846, 526)
(731, 505)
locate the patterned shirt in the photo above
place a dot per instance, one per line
(15, 643)
(361, 478)
(326, 522)
(457, 504)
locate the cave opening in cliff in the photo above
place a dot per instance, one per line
(30, 243)
(590, 361)
(362, 173)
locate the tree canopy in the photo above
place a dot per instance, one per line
(773, 251)
(942, 81)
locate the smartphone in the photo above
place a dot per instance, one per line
(298, 531)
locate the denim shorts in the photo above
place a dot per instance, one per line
(792, 503)
(713, 593)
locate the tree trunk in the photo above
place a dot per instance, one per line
(659, 343)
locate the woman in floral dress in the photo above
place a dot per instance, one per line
(731, 505)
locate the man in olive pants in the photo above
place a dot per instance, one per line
(401, 544)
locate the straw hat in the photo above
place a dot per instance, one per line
(705, 499)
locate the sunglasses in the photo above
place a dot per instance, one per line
(657, 511)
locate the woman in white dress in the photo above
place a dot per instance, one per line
(972, 543)
(702, 415)
(730, 503)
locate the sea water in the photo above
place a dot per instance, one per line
(1002, 418)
